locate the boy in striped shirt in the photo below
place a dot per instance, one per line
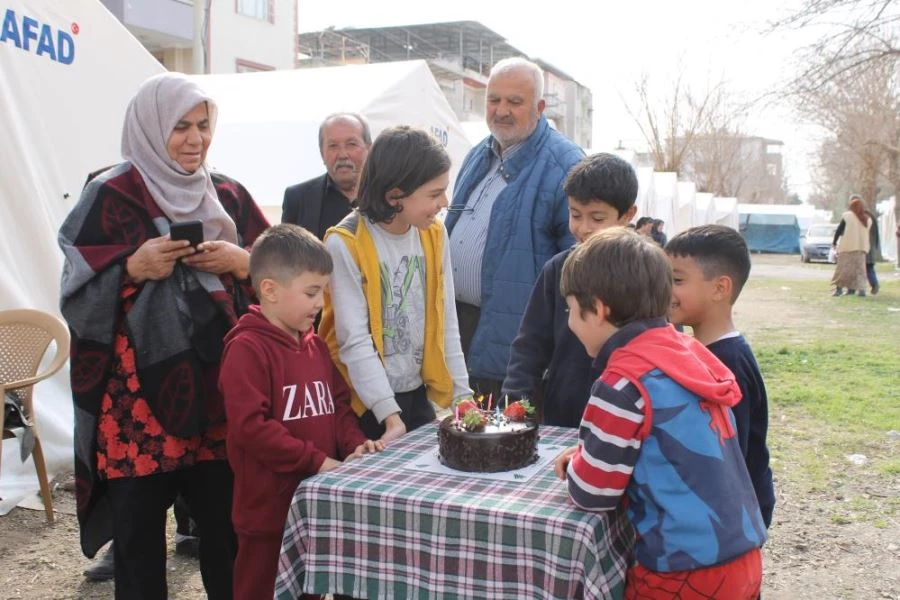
(658, 429)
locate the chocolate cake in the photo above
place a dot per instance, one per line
(502, 446)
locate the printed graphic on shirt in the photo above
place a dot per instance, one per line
(312, 401)
(400, 290)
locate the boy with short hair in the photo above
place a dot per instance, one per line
(286, 404)
(711, 264)
(601, 190)
(658, 429)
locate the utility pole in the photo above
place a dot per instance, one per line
(198, 55)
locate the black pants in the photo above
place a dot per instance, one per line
(468, 316)
(139, 506)
(872, 277)
(416, 411)
(184, 523)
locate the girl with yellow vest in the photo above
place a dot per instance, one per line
(851, 239)
(390, 317)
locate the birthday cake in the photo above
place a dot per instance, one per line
(477, 440)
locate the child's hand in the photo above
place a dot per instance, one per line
(562, 462)
(329, 464)
(365, 448)
(393, 429)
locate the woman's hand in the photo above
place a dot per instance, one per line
(366, 447)
(220, 257)
(155, 259)
(393, 429)
(561, 464)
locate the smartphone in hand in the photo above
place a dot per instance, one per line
(192, 231)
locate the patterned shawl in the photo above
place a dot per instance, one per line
(176, 325)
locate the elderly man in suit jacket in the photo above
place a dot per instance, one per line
(321, 202)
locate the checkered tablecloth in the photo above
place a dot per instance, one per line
(376, 529)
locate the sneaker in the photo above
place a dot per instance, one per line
(187, 545)
(103, 568)
(875, 290)
(861, 293)
(837, 292)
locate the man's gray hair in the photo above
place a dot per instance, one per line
(346, 116)
(521, 65)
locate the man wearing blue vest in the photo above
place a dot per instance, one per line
(508, 217)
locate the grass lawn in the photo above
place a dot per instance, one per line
(832, 371)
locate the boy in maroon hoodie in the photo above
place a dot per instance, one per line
(286, 404)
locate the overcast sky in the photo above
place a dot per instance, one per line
(608, 45)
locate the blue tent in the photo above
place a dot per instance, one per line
(766, 232)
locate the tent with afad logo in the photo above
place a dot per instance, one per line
(68, 70)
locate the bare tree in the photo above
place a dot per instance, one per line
(700, 136)
(859, 153)
(669, 122)
(856, 34)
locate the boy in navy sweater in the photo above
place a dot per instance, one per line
(711, 264)
(601, 189)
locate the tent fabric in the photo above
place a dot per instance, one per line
(61, 115)
(267, 132)
(887, 228)
(685, 207)
(778, 233)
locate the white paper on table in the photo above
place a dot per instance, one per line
(429, 462)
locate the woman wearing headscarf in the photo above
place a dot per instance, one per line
(148, 316)
(851, 240)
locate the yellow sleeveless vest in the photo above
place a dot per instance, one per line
(435, 374)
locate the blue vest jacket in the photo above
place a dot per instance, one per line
(529, 225)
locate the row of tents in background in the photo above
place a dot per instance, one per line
(775, 228)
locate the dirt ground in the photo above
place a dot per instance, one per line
(810, 555)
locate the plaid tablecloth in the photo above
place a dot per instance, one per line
(376, 529)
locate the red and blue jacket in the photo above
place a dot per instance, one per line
(658, 429)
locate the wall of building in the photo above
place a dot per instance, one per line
(176, 59)
(239, 42)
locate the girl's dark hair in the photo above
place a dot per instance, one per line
(402, 158)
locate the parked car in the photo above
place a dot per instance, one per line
(816, 243)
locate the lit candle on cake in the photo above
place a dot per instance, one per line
(490, 401)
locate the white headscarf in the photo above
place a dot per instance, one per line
(152, 114)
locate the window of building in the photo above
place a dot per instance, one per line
(256, 9)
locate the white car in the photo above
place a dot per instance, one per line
(815, 244)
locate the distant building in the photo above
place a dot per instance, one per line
(460, 55)
(749, 168)
(233, 36)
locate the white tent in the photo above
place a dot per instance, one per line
(663, 205)
(887, 228)
(68, 70)
(646, 191)
(475, 130)
(727, 212)
(704, 209)
(267, 133)
(685, 208)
